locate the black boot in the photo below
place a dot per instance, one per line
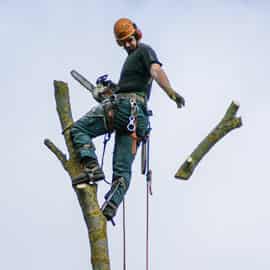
(109, 210)
(109, 207)
(92, 172)
(92, 168)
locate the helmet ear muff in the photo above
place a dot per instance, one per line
(138, 32)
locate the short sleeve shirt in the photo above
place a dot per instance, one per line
(135, 76)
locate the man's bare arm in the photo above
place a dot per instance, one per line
(159, 75)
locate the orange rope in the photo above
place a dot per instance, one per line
(134, 142)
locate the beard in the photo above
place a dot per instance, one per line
(129, 50)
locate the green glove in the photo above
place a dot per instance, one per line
(179, 100)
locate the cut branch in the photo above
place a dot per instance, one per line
(228, 123)
(58, 153)
(86, 194)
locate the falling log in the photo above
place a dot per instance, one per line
(228, 123)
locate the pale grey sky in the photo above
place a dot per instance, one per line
(214, 52)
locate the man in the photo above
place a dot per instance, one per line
(125, 114)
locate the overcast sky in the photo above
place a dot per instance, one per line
(213, 52)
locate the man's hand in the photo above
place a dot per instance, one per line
(179, 100)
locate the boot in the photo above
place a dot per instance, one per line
(92, 172)
(109, 210)
(109, 207)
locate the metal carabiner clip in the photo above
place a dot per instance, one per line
(131, 124)
(133, 102)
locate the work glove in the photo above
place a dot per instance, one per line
(178, 99)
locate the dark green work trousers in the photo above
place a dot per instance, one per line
(94, 123)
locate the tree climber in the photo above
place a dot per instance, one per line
(124, 113)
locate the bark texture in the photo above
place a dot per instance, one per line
(228, 123)
(86, 194)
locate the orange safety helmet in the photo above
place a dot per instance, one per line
(124, 28)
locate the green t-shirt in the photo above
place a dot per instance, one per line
(135, 76)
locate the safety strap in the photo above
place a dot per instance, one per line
(106, 139)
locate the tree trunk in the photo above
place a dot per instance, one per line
(228, 123)
(86, 194)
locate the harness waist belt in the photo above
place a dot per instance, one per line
(131, 95)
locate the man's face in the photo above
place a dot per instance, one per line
(130, 44)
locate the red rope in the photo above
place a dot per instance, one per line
(124, 236)
(147, 225)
